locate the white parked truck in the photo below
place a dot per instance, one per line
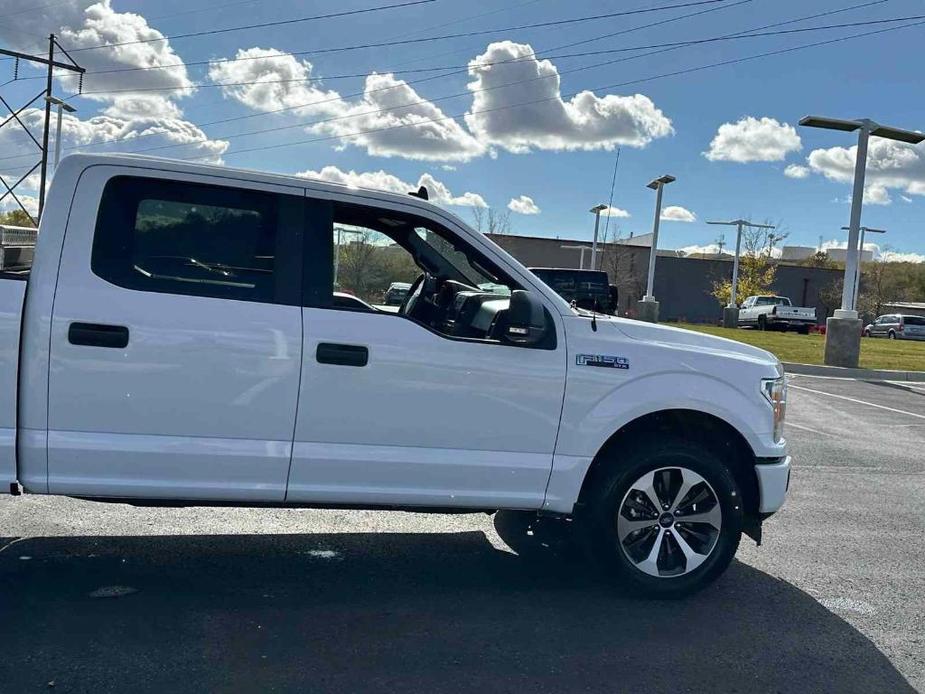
(178, 341)
(775, 313)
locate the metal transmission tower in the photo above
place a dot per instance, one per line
(42, 146)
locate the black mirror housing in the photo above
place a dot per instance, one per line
(526, 320)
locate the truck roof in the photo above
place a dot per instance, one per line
(83, 160)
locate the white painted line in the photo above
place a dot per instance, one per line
(805, 428)
(860, 402)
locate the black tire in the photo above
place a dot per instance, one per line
(613, 486)
(867, 333)
(892, 335)
(803, 330)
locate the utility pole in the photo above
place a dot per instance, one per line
(648, 307)
(843, 330)
(731, 310)
(857, 275)
(596, 211)
(721, 243)
(42, 164)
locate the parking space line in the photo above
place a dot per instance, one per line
(809, 429)
(859, 402)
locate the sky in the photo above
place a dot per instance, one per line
(518, 105)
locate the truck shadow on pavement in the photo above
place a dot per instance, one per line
(387, 612)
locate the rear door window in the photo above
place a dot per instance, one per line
(202, 240)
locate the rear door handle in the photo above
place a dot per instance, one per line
(98, 335)
(345, 355)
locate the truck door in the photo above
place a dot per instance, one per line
(176, 338)
(418, 404)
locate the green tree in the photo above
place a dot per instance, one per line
(16, 218)
(757, 268)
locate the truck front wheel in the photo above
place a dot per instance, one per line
(665, 518)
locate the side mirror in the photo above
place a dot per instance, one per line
(526, 319)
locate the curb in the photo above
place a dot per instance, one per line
(865, 374)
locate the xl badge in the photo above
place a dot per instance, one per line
(605, 360)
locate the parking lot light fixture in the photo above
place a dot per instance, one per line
(843, 335)
(596, 211)
(581, 261)
(62, 107)
(657, 185)
(857, 275)
(739, 224)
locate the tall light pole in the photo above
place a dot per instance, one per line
(843, 330)
(648, 307)
(581, 261)
(62, 106)
(731, 310)
(596, 211)
(857, 275)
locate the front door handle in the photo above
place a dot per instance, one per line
(98, 335)
(345, 355)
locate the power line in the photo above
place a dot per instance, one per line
(651, 78)
(672, 46)
(457, 95)
(402, 42)
(262, 25)
(419, 81)
(754, 33)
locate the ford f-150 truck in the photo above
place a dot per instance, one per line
(178, 341)
(776, 313)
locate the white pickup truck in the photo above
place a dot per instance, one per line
(177, 342)
(775, 313)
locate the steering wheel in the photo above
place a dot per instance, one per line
(411, 298)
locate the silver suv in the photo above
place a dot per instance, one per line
(897, 326)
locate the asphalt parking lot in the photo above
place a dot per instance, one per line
(295, 600)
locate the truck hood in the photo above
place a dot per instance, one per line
(721, 346)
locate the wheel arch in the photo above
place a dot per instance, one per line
(707, 429)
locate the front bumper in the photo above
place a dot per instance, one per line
(773, 483)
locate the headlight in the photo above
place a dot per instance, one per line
(775, 390)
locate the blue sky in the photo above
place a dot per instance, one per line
(559, 155)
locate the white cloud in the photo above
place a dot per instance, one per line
(676, 213)
(85, 23)
(905, 198)
(895, 257)
(546, 121)
(523, 205)
(882, 254)
(380, 180)
(30, 202)
(614, 212)
(394, 118)
(890, 164)
(796, 171)
(709, 249)
(752, 139)
(76, 132)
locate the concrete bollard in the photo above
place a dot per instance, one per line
(647, 311)
(843, 342)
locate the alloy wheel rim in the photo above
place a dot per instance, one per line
(669, 522)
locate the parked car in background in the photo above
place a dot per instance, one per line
(897, 326)
(396, 294)
(589, 289)
(775, 313)
(178, 341)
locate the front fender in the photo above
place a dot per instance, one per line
(596, 408)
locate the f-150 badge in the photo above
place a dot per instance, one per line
(604, 360)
